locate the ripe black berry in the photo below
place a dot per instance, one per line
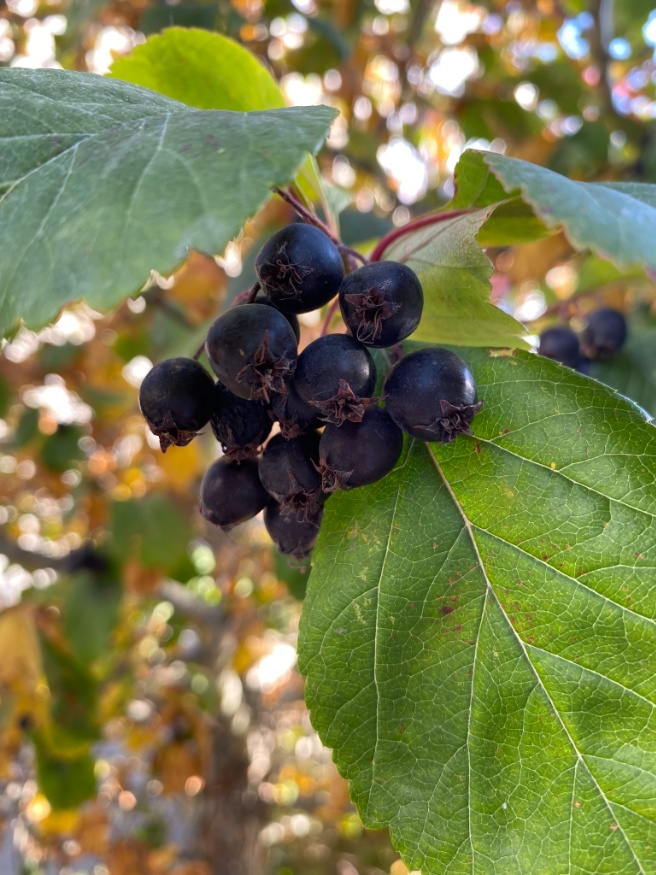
(261, 298)
(239, 425)
(252, 350)
(231, 492)
(299, 268)
(288, 471)
(336, 375)
(562, 345)
(292, 536)
(431, 395)
(604, 334)
(358, 453)
(294, 416)
(176, 399)
(381, 302)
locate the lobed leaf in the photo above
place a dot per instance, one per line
(479, 635)
(101, 182)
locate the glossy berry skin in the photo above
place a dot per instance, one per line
(294, 416)
(240, 426)
(381, 303)
(562, 345)
(299, 268)
(358, 453)
(336, 375)
(288, 471)
(252, 350)
(261, 298)
(604, 334)
(231, 493)
(431, 395)
(176, 398)
(292, 536)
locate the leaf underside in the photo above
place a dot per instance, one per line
(479, 635)
(102, 181)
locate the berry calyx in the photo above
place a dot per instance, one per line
(604, 334)
(292, 536)
(252, 350)
(336, 375)
(231, 493)
(561, 344)
(299, 268)
(176, 399)
(431, 395)
(359, 453)
(381, 303)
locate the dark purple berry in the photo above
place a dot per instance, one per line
(293, 414)
(252, 351)
(381, 303)
(292, 536)
(431, 395)
(604, 334)
(240, 426)
(231, 493)
(261, 298)
(336, 375)
(176, 398)
(358, 453)
(562, 345)
(299, 268)
(289, 473)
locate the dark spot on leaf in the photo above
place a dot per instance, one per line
(185, 148)
(446, 609)
(457, 628)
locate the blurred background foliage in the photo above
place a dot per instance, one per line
(151, 716)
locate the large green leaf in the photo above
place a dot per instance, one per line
(633, 370)
(201, 69)
(210, 71)
(615, 220)
(101, 181)
(455, 276)
(479, 635)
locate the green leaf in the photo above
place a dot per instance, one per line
(73, 700)
(123, 181)
(90, 613)
(152, 529)
(479, 635)
(455, 276)
(617, 221)
(201, 69)
(210, 71)
(633, 370)
(65, 782)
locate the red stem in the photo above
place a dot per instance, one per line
(422, 222)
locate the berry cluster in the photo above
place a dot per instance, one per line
(332, 432)
(603, 336)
